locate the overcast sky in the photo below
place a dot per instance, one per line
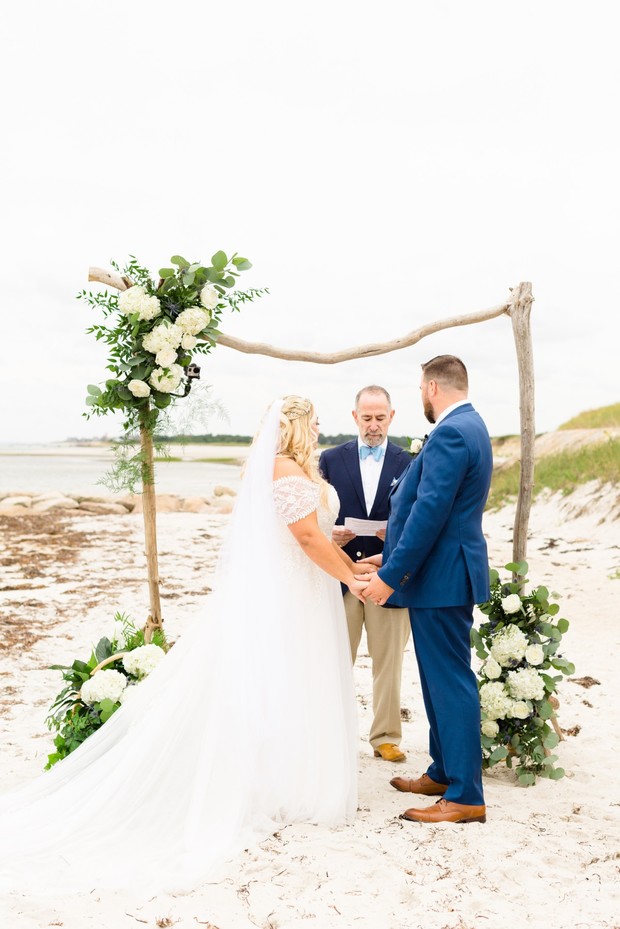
(381, 165)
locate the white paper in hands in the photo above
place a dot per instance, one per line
(364, 526)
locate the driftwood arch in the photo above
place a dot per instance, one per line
(517, 307)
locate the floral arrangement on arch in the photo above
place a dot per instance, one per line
(519, 645)
(154, 326)
(95, 689)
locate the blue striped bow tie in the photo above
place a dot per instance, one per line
(366, 450)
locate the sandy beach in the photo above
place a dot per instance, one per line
(548, 856)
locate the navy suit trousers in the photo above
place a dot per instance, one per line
(450, 691)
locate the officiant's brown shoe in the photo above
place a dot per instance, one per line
(421, 785)
(389, 752)
(445, 811)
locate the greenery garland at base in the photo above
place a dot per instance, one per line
(91, 696)
(519, 645)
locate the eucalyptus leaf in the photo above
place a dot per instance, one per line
(93, 390)
(219, 260)
(181, 262)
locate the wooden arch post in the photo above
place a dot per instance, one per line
(520, 309)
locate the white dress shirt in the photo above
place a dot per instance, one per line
(371, 472)
(449, 409)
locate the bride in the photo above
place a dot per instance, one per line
(248, 724)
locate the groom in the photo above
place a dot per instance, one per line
(435, 562)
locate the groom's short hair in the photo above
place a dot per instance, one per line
(447, 370)
(373, 389)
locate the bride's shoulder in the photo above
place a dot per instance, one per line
(285, 467)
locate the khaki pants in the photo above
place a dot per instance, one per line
(387, 631)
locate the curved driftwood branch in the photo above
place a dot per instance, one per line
(360, 351)
(109, 278)
(112, 279)
(520, 309)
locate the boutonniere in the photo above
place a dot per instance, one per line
(416, 445)
(394, 482)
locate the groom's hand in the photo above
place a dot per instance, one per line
(377, 591)
(376, 560)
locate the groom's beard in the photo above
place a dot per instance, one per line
(428, 412)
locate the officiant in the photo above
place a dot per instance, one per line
(363, 471)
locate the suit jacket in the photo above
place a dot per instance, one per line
(340, 466)
(435, 554)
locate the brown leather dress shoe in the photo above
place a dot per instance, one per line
(445, 811)
(421, 785)
(389, 752)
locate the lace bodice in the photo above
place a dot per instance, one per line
(297, 497)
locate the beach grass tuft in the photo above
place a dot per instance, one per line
(602, 418)
(562, 472)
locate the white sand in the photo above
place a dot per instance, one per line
(548, 856)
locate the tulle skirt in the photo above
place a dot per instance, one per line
(248, 724)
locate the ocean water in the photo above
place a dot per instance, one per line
(44, 469)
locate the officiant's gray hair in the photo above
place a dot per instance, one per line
(447, 370)
(373, 389)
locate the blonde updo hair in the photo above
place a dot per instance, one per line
(296, 437)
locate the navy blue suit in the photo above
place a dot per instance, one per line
(340, 466)
(435, 559)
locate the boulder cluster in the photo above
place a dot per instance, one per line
(20, 504)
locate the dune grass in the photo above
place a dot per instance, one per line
(562, 472)
(601, 418)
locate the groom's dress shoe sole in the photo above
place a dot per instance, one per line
(422, 785)
(445, 811)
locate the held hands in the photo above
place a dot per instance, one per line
(375, 589)
(356, 587)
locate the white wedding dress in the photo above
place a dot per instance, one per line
(248, 724)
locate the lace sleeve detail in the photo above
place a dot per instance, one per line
(295, 498)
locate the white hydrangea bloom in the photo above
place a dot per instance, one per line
(139, 388)
(511, 604)
(525, 684)
(166, 357)
(495, 700)
(491, 669)
(209, 296)
(534, 654)
(193, 320)
(188, 342)
(166, 383)
(104, 685)
(509, 646)
(140, 661)
(519, 710)
(489, 727)
(163, 336)
(135, 300)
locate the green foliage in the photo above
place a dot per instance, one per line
(527, 742)
(70, 717)
(177, 289)
(601, 418)
(562, 472)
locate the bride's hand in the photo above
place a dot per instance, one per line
(356, 587)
